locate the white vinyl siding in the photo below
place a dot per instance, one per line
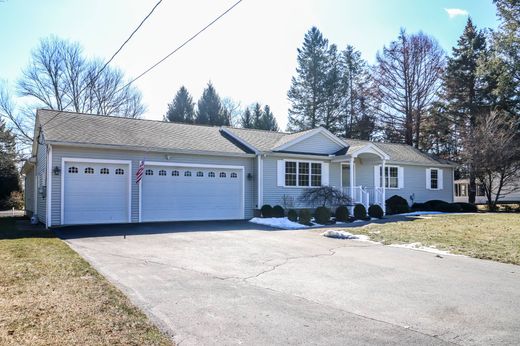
(316, 144)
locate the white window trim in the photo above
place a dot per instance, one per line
(297, 173)
(85, 160)
(383, 177)
(440, 177)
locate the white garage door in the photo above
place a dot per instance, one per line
(95, 193)
(191, 193)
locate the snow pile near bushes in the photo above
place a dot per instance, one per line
(277, 222)
(344, 235)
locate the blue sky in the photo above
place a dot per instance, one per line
(250, 55)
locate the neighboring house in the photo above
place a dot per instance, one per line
(83, 170)
(509, 193)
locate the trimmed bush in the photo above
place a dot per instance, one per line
(420, 207)
(322, 215)
(396, 205)
(266, 210)
(305, 217)
(278, 211)
(376, 211)
(360, 212)
(467, 207)
(342, 214)
(292, 215)
(442, 206)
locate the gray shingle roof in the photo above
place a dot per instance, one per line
(265, 140)
(67, 127)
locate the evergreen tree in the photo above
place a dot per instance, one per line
(257, 116)
(307, 91)
(246, 120)
(465, 94)
(268, 120)
(181, 109)
(333, 92)
(209, 108)
(9, 179)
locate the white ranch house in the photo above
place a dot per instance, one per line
(83, 168)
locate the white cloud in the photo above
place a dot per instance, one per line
(455, 12)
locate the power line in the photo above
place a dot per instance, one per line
(108, 61)
(180, 46)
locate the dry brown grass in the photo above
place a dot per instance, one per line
(487, 236)
(50, 295)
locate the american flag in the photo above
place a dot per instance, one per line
(140, 171)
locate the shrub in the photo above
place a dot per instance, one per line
(396, 205)
(322, 215)
(266, 210)
(15, 200)
(467, 207)
(419, 207)
(442, 206)
(324, 196)
(278, 211)
(342, 214)
(305, 217)
(376, 211)
(292, 215)
(360, 212)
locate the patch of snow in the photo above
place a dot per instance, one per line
(277, 222)
(420, 247)
(418, 213)
(358, 221)
(344, 235)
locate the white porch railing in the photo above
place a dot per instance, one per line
(365, 195)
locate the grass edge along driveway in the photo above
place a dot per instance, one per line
(50, 295)
(491, 236)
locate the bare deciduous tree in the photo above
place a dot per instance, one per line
(406, 78)
(494, 151)
(325, 196)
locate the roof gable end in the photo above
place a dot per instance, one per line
(318, 141)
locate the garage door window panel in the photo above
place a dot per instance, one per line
(175, 173)
(73, 170)
(148, 172)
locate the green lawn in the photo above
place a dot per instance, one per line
(50, 295)
(486, 236)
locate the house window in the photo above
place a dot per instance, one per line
(481, 191)
(89, 170)
(302, 173)
(104, 171)
(234, 175)
(461, 190)
(200, 174)
(290, 173)
(73, 169)
(391, 177)
(434, 179)
(175, 173)
(162, 173)
(222, 174)
(120, 171)
(187, 174)
(315, 174)
(148, 172)
(211, 174)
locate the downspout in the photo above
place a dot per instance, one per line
(48, 193)
(260, 181)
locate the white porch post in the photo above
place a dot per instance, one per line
(383, 185)
(352, 172)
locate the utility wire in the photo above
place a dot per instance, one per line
(108, 62)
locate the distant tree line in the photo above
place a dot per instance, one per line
(212, 110)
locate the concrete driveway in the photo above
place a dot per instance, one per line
(230, 283)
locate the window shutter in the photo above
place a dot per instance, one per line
(325, 174)
(428, 178)
(440, 184)
(377, 175)
(400, 177)
(280, 165)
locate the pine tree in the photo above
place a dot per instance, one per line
(9, 179)
(333, 92)
(306, 93)
(246, 120)
(209, 108)
(465, 96)
(257, 116)
(181, 109)
(268, 120)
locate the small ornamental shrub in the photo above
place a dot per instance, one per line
(360, 212)
(342, 214)
(419, 207)
(396, 205)
(442, 206)
(305, 217)
(266, 210)
(278, 211)
(376, 211)
(292, 215)
(322, 215)
(467, 207)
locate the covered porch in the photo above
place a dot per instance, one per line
(361, 170)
